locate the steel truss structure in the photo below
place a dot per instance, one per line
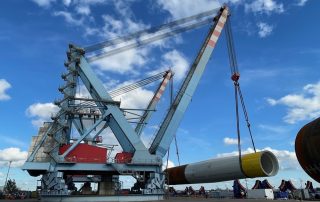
(63, 161)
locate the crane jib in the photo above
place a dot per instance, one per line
(169, 126)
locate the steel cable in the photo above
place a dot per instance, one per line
(246, 116)
(151, 30)
(142, 42)
(138, 84)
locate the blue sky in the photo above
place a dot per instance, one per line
(277, 48)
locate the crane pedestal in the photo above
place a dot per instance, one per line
(106, 188)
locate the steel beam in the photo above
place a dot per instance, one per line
(87, 167)
(169, 126)
(125, 134)
(85, 134)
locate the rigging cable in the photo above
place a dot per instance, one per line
(246, 116)
(237, 119)
(151, 30)
(138, 84)
(238, 93)
(145, 41)
(235, 75)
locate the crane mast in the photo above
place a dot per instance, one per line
(169, 126)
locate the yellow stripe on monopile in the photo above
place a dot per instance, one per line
(258, 164)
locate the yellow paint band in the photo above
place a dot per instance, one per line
(251, 165)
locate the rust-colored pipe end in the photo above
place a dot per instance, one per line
(307, 148)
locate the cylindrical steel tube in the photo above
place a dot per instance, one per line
(307, 148)
(259, 164)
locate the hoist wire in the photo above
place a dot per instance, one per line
(230, 45)
(151, 30)
(246, 116)
(235, 76)
(236, 84)
(142, 42)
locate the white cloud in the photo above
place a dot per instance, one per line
(138, 98)
(178, 63)
(235, 153)
(127, 61)
(109, 138)
(13, 154)
(4, 86)
(302, 2)
(230, 141)
(41, 112)
(170, 164)
(44, 3)
(124, 62)
(264, 29)
(81, 7)
(84, 10)
(175, 61)
(287, 159)
(123, 8)
(68, 18)
(114, 27)
(302, 106)
(264, 6)
(67, 2)
(179, 9)
(89, 31)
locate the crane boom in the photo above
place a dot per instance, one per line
(169, 126)
(153, 103)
